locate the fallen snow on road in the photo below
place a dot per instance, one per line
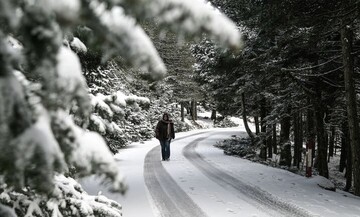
(303, 192)
(216, 198)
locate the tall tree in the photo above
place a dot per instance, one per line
(347, 43)
(307, 45)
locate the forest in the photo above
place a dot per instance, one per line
(63, 108)
(298, 77)
(81, 79)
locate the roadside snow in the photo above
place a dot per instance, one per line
(212, 198)
(237, 121)
(78, 45)
(301, 191)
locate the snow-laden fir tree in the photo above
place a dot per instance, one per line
(41, 82)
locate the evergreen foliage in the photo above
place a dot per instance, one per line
(293, 65)
(41, 81)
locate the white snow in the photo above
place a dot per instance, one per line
(78, 202)
(141, 100)
(116, 128)
(33, 208)
(99, 123)
(69, 68)
(98, 103)
(200, 18)
(324, 182)
(237, 121)
(204, 114)
(78, 45)
(5, 197)
(217, 200)
(65, 10)
(38, 139)
(14, 43)
(127, 38)
(105, 107)
(120, 99)
(94, 153)
(69, 84)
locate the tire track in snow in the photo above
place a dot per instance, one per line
(167, 195)
(261, 199)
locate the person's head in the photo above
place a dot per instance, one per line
(165, 116)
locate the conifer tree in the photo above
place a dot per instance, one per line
(299, 55)
(41, 81)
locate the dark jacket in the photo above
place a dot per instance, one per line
(161, 130)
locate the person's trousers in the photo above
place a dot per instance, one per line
(165, 148)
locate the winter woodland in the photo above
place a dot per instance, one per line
(81, 79)
(46, 106)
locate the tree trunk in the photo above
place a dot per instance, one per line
(285, 122)
(263, 128)
(188, 109)
(301, 135)
(285, 146)
(321, 157)
(269, 141)
(257, 125)
(344, 146)
(274, 139)
(213, 115)
(297, 140)
(310, 128)
(349, 166)
(244, 117)
(337, 141)
(346, 42)
(193, 109)
(331, 142)
(345, 157)
(182, 112)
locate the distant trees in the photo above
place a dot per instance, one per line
(297, 71)
(179, 82)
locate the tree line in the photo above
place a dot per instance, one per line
(298, 76)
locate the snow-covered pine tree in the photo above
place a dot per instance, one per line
(41, 81)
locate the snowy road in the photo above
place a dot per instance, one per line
(167, 195)
(255, 196)
(201, 181)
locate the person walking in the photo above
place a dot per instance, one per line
(164, 132)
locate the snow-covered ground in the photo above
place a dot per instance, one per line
(201, 181)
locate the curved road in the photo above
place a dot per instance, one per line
(259, 198)
(201, 181)
(171, 200)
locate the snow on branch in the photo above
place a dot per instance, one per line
(96, 158)
(193, 17)
(70, 82)
(78, 46)
(81, 204)
(190, 18)
(69, 199)
(125, 38)
(37, 155)
(108, 109)
(86, 151)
